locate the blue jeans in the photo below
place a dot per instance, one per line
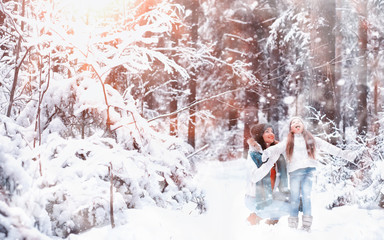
(282, 171)
(274, 210)
(301, 182)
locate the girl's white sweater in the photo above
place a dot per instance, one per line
(300, 158)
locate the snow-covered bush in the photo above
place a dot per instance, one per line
(74, 146)
(360, 182)
(15, 224)
(13, 177)
(73, 169)
(66, 180)
(77, 174)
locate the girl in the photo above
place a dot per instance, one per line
(301, 151)
(262, 197)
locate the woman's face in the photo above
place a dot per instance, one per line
(268, 136)
(297, 126)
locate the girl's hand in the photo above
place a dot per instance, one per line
(253, 144)
(258, 147)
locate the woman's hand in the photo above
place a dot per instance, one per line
(253, 144)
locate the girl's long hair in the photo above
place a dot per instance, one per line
(309, 143)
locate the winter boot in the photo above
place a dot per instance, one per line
(307, 223)
(253, 219)
(272, 221)
(293, 222)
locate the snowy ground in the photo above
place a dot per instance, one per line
(225, 217)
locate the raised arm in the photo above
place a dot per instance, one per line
(269, 157)
(331, 149)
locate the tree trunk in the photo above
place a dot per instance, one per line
(18, 65)
(173, 108)
(250, 116)
(338, 65)
(3, 47)
(277, 109)
(377, 73)
(323, 94)
(192, 112)
(173, 125)
(362, 87)
(192, 81)
(111, 213)
(376, 107)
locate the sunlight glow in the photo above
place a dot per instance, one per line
(94, 5)
(94, 9)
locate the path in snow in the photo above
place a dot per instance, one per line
(224, 184)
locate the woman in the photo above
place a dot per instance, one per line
(267, 198)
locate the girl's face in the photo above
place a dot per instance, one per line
(268, 136)
(297, 126)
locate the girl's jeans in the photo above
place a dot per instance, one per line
(301, 182)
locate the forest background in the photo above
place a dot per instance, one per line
(200, 71)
